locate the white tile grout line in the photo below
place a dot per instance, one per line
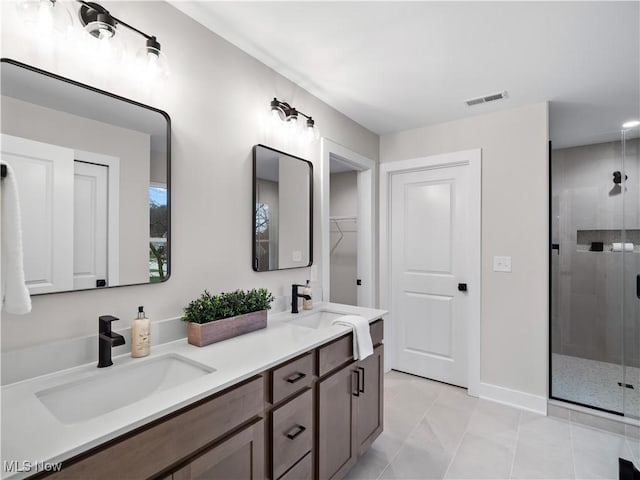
(515, 447)
(428, 409)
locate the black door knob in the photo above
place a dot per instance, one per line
(462, 287)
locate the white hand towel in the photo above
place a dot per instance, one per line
(15, 295)
(362, 344)
(616, 247)
(628, 247)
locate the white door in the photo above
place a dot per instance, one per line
(429, 238)
(90, 225)
(44, 175)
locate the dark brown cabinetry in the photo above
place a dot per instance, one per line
(337, 423)
(369, 407)
(349, 414)
(240, 457)
(308, 418)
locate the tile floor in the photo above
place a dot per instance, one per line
(435, 431)
(595, 383)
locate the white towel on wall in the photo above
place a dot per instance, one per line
(362, 343)
(15, 295)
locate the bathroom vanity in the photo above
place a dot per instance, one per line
(309, 415)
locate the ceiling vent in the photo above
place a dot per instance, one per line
(485, 99)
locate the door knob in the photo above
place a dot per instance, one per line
(462, 287)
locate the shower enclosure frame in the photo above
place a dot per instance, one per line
(551, 247)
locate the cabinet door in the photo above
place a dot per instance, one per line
(337, 448)
(240, 457)
(370, 402)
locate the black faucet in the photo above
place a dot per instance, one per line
(295, 296)
(106, 340)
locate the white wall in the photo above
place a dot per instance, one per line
(343, 202)
(514, 146)
(217, 97)
(26, 120)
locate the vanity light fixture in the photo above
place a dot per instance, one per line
(631, 124)
(99, 23)
(287, 113)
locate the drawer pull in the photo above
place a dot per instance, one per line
(296, 377)
(361, 389)
(294, 432)
(357, 392)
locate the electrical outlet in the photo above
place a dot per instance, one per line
(297, 256)
(502, 264)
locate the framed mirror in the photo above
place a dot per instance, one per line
(282, 210)
(93, 177)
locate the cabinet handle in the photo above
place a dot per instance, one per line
(357, 392)
(295, 431)
(296, 377)
(361, 390)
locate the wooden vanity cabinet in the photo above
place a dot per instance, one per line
(239, 457)
(350, 405)
(308, 418)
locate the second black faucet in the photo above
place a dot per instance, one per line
(295, 296)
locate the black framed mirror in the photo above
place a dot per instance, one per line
(93, 176)
(282, 210)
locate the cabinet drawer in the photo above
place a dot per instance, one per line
(172, 440)
(303, 470)
(340, 351)
(335, 354)
(292, 434)
(291, 378)
(377, 332)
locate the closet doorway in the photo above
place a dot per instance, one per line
(347, 226)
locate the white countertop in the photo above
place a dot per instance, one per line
(30, 433)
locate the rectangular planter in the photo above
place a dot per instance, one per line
(201, 334)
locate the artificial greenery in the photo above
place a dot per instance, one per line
(209, 308)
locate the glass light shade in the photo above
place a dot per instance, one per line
(152, 63)
(311, 134)
(47, 17)
(100, 30)
(631, 124)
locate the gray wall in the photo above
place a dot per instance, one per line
(218, 99)
(594, 309)
(26, 120)
(343, 202)
(514, 330)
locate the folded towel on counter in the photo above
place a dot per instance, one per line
(14, 293)
(362, 344)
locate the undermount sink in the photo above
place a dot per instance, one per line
(118, 386)
(320, 319)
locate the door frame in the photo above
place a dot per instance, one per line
(472, 158)
(367, 180)
(113, 209)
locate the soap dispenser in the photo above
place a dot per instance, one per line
(307, 304)
(140, 335)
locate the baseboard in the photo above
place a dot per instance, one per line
(513, 398)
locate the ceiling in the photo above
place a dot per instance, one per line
(392, 66)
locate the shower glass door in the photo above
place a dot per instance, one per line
(631, 271)
(594, 219)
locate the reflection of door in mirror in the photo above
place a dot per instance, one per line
(92, 171)
(70, 235)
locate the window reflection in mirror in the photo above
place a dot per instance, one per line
(92, 171)
(283, 210)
